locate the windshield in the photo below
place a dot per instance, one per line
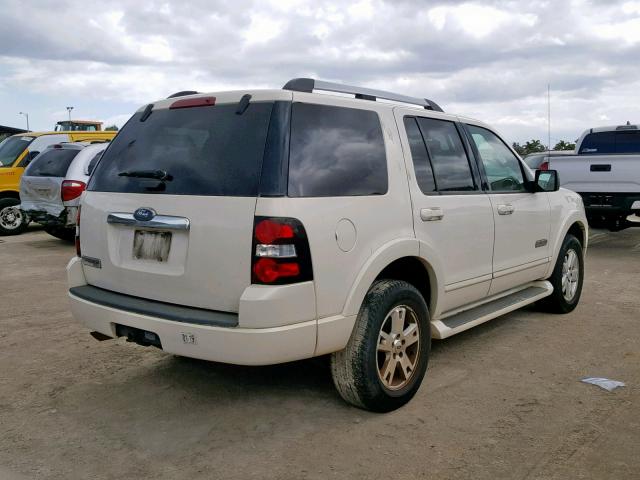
(11, 148)
(209, 150)
(75, 127)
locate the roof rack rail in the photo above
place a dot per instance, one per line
(183, 93)
(308, 85)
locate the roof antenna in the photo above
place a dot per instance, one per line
(549, 118)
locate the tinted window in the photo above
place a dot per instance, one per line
(336, 152)
(208, 150)
(500, 164)
(628, 142)
(449, 160)
(93, 162)
(11, 148)
(52, 163)
(599, 143)
(421, 163)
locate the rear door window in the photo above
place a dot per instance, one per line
(448, 157)
(336, 151)
(209, 150)
(52, 163)
(421, 162)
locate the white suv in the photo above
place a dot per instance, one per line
(266, 226)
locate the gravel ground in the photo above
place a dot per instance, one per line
(502, 400)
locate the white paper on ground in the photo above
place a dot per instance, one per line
(605, 383)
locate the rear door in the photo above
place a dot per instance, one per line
(452, 215)
(170, 207)
(522, 219)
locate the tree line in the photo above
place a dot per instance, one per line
(536, 146)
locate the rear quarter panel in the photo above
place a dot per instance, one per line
(376, 219)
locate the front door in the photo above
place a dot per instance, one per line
(521, 248)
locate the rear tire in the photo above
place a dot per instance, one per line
(63, 233)
(567, 278)
(386, 358)
(13, 221)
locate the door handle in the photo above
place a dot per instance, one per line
(505, 209)
(431, 214)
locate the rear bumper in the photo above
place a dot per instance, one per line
(241, 346)
(613, 203)
(238, 345)
(65, 219)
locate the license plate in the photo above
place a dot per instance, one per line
(151, 245)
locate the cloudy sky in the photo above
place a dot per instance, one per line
(491, 60)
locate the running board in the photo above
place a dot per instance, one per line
(490, 309)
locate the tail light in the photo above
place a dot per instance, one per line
(544, 166)
(280, 252)
(78, 252)
(72, 189)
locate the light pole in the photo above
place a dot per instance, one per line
(27, 116)
(69, 110)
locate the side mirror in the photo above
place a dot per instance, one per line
(547, 181)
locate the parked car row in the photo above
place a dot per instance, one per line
(18, 152)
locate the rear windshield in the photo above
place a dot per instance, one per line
(11, 148)
(211, 150)
(600, 143)
(52, 163)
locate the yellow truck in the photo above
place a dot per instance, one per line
(16, 152)
(78, 126)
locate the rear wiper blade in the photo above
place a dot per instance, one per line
(161, 175)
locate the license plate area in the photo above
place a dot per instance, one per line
(151, 245)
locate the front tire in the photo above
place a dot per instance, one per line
(567, 278)
(386, 358)
(13, 221)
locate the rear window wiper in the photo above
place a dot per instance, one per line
(161, 175)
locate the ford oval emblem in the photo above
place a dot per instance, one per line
(144, 214)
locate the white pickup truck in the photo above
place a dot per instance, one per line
(605, 171)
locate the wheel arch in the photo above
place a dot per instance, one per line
(576, 226)
(578, 230)
(399, 260)
(10, 194)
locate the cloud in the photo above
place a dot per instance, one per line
(491, 59)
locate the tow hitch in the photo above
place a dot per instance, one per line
(141, 337)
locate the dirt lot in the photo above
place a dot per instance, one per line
(500, 401)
